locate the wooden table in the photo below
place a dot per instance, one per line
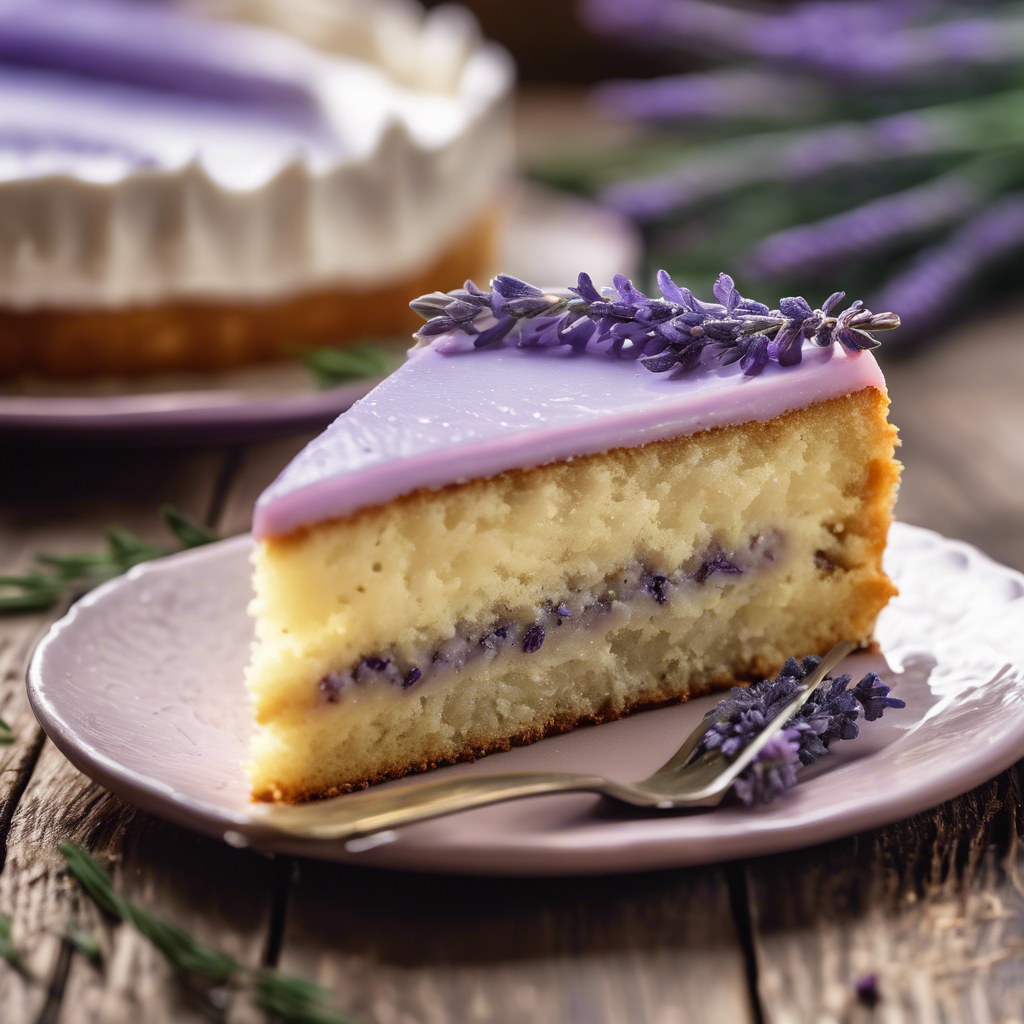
(932, 905)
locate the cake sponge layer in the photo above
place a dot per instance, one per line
(812, 488)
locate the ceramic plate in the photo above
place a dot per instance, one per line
(550, 238)
(140, 685)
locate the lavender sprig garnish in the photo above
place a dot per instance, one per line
(674, 332)
(829, 714)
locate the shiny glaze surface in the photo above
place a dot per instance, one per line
(446, 418)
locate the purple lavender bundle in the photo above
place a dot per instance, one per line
(831, 136)
(830, 714)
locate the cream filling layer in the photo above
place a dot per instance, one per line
(600, 608)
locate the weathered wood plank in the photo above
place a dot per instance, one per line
(932, 907)
(222, 895)
(404, 948)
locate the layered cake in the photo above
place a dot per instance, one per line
(565, 507)
(205, 184)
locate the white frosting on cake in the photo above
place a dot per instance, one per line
(149, 154)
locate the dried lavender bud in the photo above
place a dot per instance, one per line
(718, 563)
(656, 585)
(773, 772)
(874, 697)
(412, 676)
(330, 686)
(676, 332)
(866, 988)
(829, 714)
(533, 639)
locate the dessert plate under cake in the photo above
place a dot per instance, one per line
(165, 724)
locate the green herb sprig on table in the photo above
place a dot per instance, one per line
(59, 576)
(8, 952)
(333, 367)
(6, 734)
(285, 998)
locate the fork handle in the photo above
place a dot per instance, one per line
(372, 810)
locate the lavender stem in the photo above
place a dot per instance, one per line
(935, 280)
(972, 126)
(878, 225)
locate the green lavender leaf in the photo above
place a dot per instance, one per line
(295, 1000)
(185, 528)
(6, 735)
(85, 942)
(8, 951)
(292, 1000)
(183, 952)
(335, 366)
(66, 574)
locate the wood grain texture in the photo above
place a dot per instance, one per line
(931, 906)
(401, 948)
(222, 895)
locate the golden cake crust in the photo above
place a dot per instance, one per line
(553, 727)
(197, 335)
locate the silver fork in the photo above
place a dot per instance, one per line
(683, 781)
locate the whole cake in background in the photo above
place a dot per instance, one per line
(200, 185)
(561, 509)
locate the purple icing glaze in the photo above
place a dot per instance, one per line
(444, 419)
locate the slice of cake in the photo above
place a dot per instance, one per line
(562, 509)
(209, 183)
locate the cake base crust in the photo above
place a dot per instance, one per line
(553, 727)
(201, 335)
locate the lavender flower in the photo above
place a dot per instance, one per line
(829, 714)
(721, 168)
(772, 772)
(938, 275)
(711, 96)
(866, 230)
(676, 332)
(879, 40)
